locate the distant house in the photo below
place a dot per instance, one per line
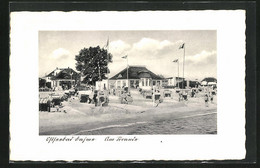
(138, 76)
(173, 81)
(189, 84)
(211, 81)
(62, 77)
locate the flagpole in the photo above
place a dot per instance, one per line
(178, 75)
(183, 65)
(127, 73)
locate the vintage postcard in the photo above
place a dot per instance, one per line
(139, 89)
(127, 82)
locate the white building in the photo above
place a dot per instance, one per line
(62, 77)
(138, 76)
(173, 81)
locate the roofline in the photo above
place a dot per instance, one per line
(118, 73)
(137, 66)
(174, 77)
(60, 69)
(160, 78)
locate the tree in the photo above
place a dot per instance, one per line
(92, 63)
(42, 82)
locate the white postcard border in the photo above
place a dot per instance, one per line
(229, 143)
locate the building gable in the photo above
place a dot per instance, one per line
(63, 73)
(135, 72)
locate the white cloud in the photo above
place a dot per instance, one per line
(59, 53)
(204, 57)
(143, 50)
(145, 44)
(118, 48)
(156, 54)
(59, 57)
(203, 64)
(148, 47)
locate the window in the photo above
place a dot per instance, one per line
(118, 84)
(137, 82)
(158, 83)
(124, 83)
(132, 83)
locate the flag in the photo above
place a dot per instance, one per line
(175, 60)
(107, 44)
(182, 46)
(124, 56)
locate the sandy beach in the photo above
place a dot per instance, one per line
(139, 117)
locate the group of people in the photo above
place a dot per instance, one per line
(96, 97)
(183, 96)
(126, 97)
(156, 96)
(208, 97)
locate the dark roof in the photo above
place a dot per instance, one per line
(65, 73)
(209, 79)
(175, 77)
(136, 72)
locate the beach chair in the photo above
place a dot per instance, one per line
(157, 99)
(129, 99)
(44, 104)
(148, 94)
(185, 96)
(64, 97)
(56, 99)
(126, 99)
(167, 93)
(102, 100)
(84, 98)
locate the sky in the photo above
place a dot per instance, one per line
(154, 49)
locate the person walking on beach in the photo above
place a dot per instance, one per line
(114, 91)
(193, 93)
(157, 97)
(124, 97)
(95, 97)
(180, 96)
(211, 97)
(185, 96)
(206, 98)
